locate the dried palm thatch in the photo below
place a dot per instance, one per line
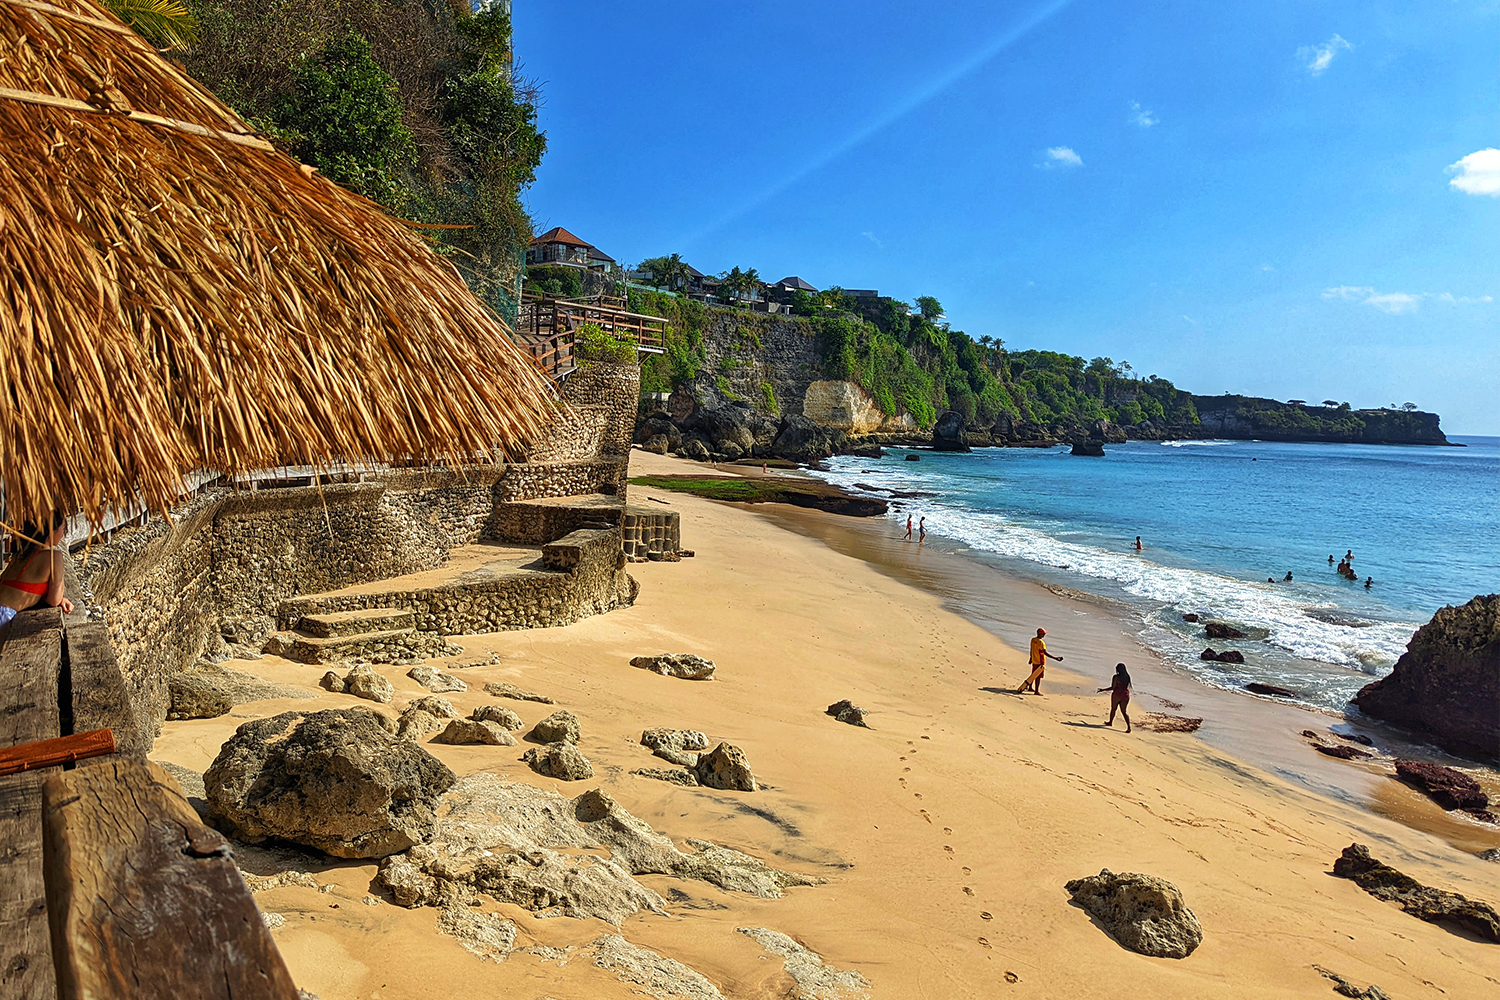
(178, 295)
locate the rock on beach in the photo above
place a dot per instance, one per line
(684, 665)
(1144, 913)
(725, 767)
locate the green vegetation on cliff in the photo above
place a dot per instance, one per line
(410, 102)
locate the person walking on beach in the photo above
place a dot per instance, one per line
(1039, 657)
(908, 527)
(922, 531)
(1119, 695)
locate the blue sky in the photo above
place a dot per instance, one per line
(1287, 199)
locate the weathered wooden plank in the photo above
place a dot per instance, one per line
(99, 697)
(30, 657)
(143, 899)
(59, 751)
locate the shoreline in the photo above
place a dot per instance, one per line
(946, 832)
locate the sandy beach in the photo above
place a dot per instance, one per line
(945, 832)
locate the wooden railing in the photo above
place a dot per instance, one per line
(546, 329)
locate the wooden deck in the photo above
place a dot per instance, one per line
(546, 329)
(110, 886)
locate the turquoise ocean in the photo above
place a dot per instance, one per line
(1217, 518)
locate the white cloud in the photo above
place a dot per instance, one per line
(1477, 173)
(1062, 156)
(1398, 303)
(1141, 116)
(1268, 267)
(873, 239)
(1317, 57)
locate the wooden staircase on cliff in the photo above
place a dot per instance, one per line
(546, 329)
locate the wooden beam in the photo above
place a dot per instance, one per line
(100, 699)
(143, 899)
(30, 658)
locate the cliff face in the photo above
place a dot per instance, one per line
(1447, 683)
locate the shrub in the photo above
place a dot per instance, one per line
(593, 343)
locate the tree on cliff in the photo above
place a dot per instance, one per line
(929, 307)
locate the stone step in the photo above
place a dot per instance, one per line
(340, 623)
(365, 645)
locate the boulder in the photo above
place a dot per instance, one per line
(501, 689)
(435, 680)
(1448, 788)
(674, 775)
(559, 727)
(912, 456)
(802, 440)
(415, 724)
(727, 429)
(431, 703)
(1446, 685)
(1342, 752)
(847, 711)
(657, 444)
(1433, 905)
(1190, 617)
(1088, 448)
(695, 448)
(1227, 656)
(335, 781)
(949, 433)
(499, 715)
(195, 697)
(1144, 913)
(557, 760)
(362, 682)
(674, 739)
(684, 665)
(1489, 854)
(1275, 691)
(468, 732)
(725, 767)
(1219, 630)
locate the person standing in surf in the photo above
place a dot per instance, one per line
(1119, 695)
(1038, 658)
(908, 527)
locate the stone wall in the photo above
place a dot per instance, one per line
(578, 575)
(537, 522)
(645, 531)
(597, 417)
(532, 480)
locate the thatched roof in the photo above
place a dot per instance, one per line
(178, 295)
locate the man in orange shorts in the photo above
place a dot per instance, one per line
(1039, 657)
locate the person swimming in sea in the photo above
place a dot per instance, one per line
(1287, 578)
(1330, 560)
(34, 574)
(1138, 543)
(1369, 582)
(1119, 695)
(1038, 658)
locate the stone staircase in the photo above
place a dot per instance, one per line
(382, 635)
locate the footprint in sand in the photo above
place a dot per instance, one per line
(947, 829)
(985, 942)
(1012, 978)
(911, 743)
(948, 848)
(906, 769)
(968, 870)
(986, 915)
(968, 891)
(924, 815)
(927, 737)
(917, 794)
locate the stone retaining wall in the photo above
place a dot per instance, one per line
(644, 531)
(535, 480)
(537, 522)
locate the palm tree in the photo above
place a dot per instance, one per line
(166, 24)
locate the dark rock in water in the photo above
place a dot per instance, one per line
(1342, 753)
(1448, 788)
(1359, 738)
(1190, 617)
(913, 457)
(1227, 656)
(1088, 449)
(1447, 683)
(1271, 689)
(1310, 734)
(335, 781)
(847, 711)
(1433, 905)
(872, 451)
(1144, 913)
(1219, 630)
(950, 432)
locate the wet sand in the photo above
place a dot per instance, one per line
(946, 831)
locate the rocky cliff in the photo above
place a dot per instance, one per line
(1447, 683)
(1252, 417)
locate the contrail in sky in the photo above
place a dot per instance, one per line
(889, 117)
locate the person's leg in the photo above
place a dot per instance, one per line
(1125, 714)
(1112, 706)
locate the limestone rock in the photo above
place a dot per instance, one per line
(560, 726)
(1448, 788)
(556, 885)
(674, 739)
(725, 767)
(558, 760)
(847, 711)
(501, 689)
(431, 703)
(468, 732)
(335, 781)
(1433, 905)
(415, 724)
(682, 758)
(1345, 988)
(1219, 630)
(488, 935)
(1144, 913)
(194, 697)
(409, 885)
(1447, 683)
(658, 975)
(683, 665)
(499, 715)
(815, 978)
(330, 681)
(950, 432)
(362, 681)
(673, 775)
(436, 680)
